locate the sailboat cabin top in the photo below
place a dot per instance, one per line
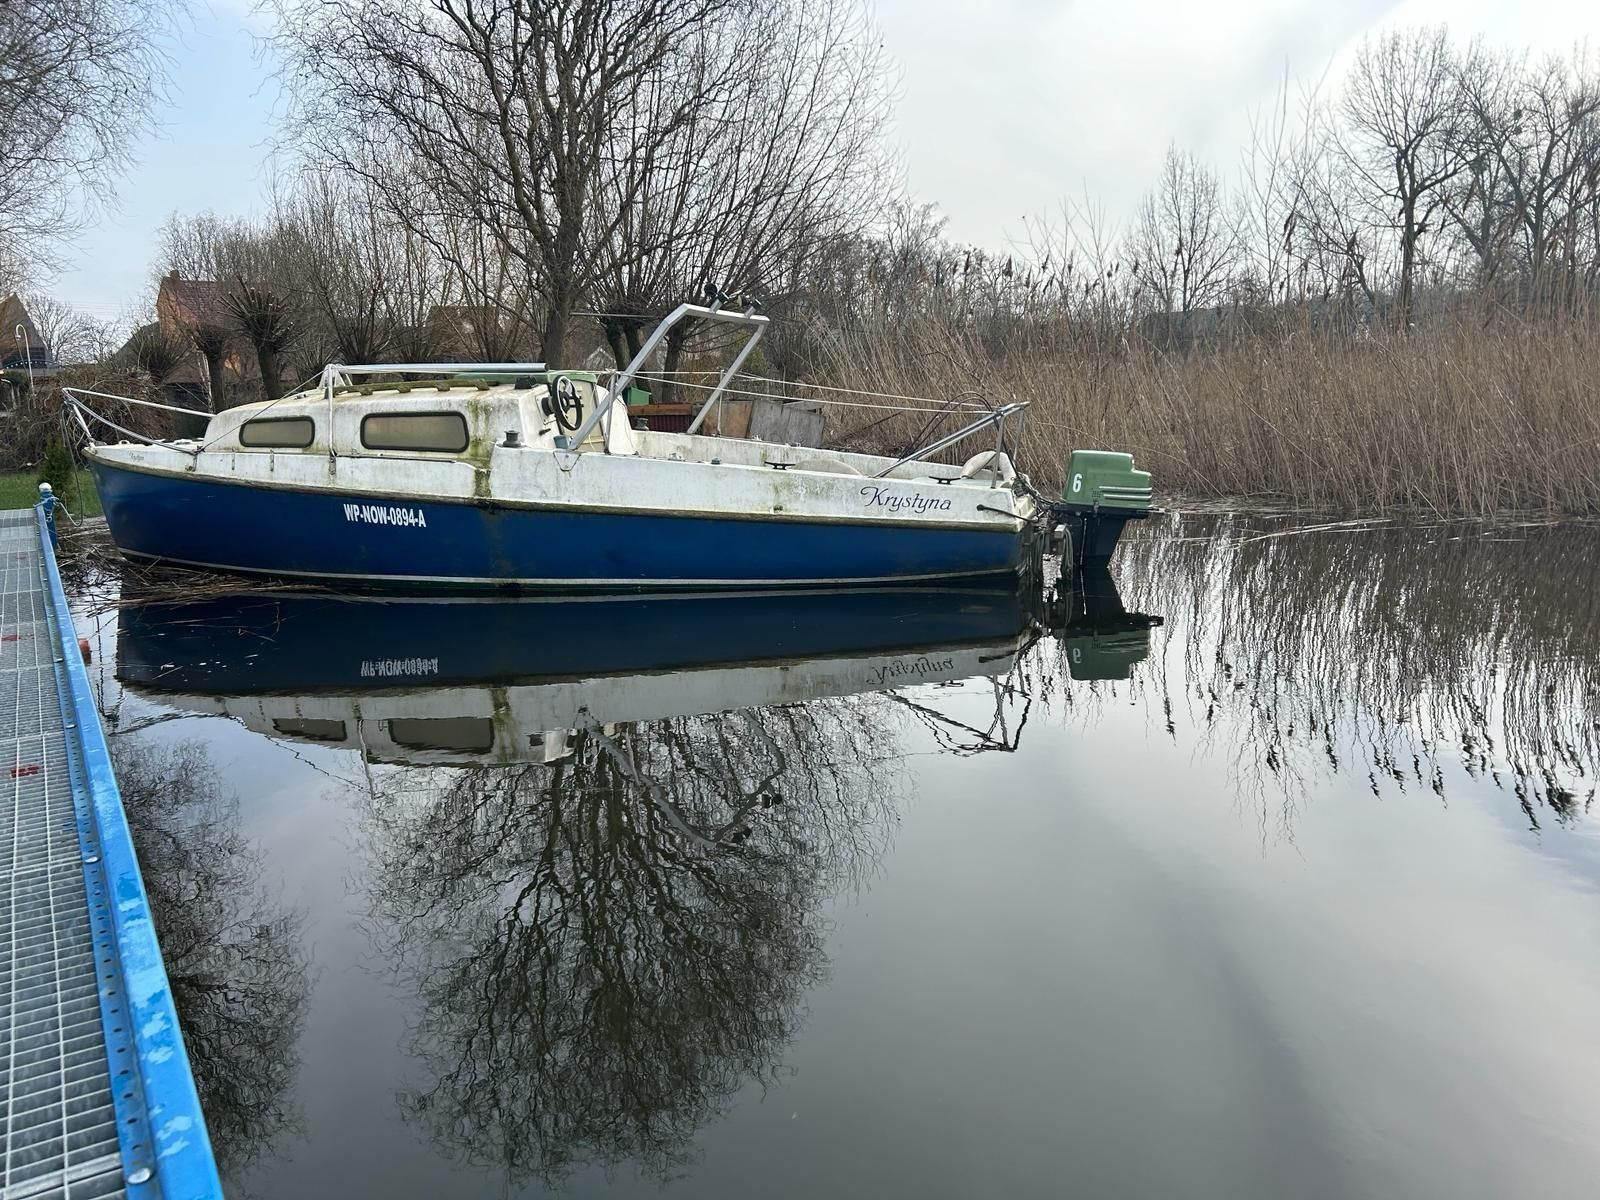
(455, 416)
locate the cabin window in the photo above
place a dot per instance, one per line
(466, 734)
(277, 433)
(445, 432)
(317, 728)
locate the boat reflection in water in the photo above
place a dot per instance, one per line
(601, 833)
(463, 681)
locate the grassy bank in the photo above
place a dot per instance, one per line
(1469, 421)
(20, 489)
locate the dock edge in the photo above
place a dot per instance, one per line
(179, 1146)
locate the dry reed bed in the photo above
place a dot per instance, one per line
(1465, 421)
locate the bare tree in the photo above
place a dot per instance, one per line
(211, 341)
(262, 293)
(1404, 139)
(1534, 175)
(1482, 223)
(155, 353)
(1184, 247)
(340, 245)
(784, 158)
(270, 324)
(507, 112)
(1276, 202)
(73, 337)
(79, 82)
(1338, 254)
(1079, 258)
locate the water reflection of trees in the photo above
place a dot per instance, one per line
(239, 979)
(1389, 653)
(609, 946)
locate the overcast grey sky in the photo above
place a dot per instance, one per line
(1005, 106)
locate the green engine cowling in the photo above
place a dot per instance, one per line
(1106, 479)
(1102, 492)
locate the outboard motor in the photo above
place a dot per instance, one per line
(1102, 493)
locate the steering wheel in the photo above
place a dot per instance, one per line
(566, 404)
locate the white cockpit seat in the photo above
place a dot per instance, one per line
(991, 464)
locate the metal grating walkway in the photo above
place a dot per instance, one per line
(59, 1120)
(96, 1097)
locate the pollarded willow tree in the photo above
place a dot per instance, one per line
(79, 82)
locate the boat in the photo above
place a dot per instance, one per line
(516, 476)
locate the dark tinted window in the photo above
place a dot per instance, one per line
(311, 727)
(277, 433)
(472, 734)
(444, 432)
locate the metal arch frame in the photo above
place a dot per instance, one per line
(619, 384)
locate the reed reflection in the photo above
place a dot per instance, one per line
(1399, 655)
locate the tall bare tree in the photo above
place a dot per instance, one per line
(508, 110)
(1184, 247)
(1405, 137)
(73, 336)
(340, 243)
(79, 82)
(1534, 177)
(783, 159)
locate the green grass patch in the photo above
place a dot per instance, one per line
(20, 489)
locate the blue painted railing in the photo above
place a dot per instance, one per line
(166, 1150)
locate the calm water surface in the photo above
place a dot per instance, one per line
(1291, 894)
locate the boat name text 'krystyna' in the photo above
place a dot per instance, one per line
(881, 497)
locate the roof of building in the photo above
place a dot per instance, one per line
(20, 351)
(12, 314)
(190, 302)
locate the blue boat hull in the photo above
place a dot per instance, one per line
(399, 541)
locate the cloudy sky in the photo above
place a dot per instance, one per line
(1005, 106)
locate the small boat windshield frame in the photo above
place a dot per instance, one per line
(748, 317)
